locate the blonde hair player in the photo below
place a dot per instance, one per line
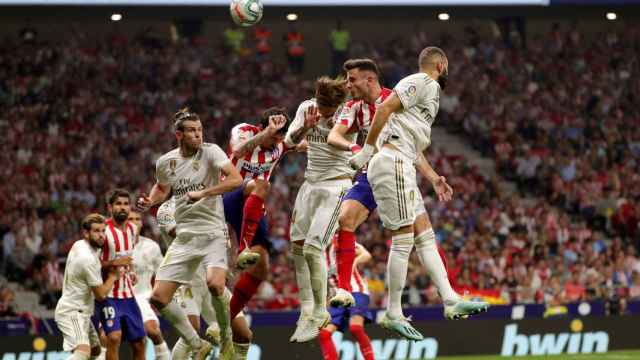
(315, 215)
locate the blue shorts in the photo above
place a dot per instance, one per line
(362, 193)
(340, 316)
(233, 208)
(121, 315)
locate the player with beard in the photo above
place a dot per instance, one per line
(197, 174)
(119, 314)
(357, 115)
(82, 284)
(401, 129)
(147, 257)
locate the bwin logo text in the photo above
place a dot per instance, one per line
(553, 344)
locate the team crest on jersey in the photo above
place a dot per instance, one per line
(109, 323)
(411, 90)
(172, 166)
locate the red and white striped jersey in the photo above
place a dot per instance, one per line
(258, 164)
(359, 114)
(119, 244)
(358, 282)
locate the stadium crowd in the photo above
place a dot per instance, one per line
(82, 117)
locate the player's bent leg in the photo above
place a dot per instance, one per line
(242, 337)
(114, 339)
(327, 346)
(220, 299)
(138, 349)
(252, 213)
(249, 282)
(455, 307)
(352, 214)
(318, 276)
(163, 291)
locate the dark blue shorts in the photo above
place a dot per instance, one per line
(340, 316)
(233, 206)
(361, 192)
(121, 315)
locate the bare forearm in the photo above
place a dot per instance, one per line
(226, 185)
(101, 291)
(379, 121)
(336, 138)
(296, 136)
(254, 142)
(426, 169)
(158, 194)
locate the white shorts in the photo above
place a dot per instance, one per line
(182, 259)
(315, 214)
(393, 180)
(190, 299)
(76, 329)
(146, 310)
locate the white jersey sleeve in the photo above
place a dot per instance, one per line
(162, 172)
(92, 270)
(216, 157)
(420, 92)
(239, 134)
(409, 129)
(297, 123)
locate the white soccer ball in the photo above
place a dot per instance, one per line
(246, 12)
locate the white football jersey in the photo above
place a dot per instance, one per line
(166, 220)
(146, 260)
(410, 128)
(82, 272)
(194, 173)
(324, 162)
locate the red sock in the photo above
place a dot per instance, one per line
(245, 288)
(327, 346)
(345, 256)
(443, 256)
(251, 215)
(363, 340)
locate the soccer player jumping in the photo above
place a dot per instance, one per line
(408, 114)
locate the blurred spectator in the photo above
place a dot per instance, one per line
(339, 39)
(294, 43)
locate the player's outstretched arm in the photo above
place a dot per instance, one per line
(304, 121)
(276, 122)
(442, 188)
(100, 292)
(232, 180)
(159, 193)
(380, 119)
(338, 140)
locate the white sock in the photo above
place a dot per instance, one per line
(242, 350)
(162, 351)
(174, 314)
(181, 350)
(318, 274)
(221, 306)
(78, 356)
(208, 312)
(397, 266)
(303, 278)
(428, 253)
